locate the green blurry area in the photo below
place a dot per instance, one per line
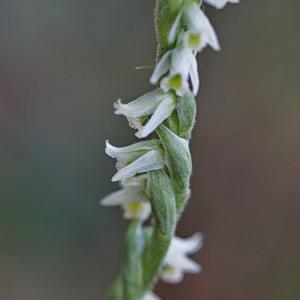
(62, 65)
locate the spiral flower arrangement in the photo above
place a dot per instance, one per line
(154, 174)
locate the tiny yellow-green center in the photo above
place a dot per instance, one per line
(168, 270)
(175, 82)
(135, 207)
(194, 40)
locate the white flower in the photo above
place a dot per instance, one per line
(157, 103)
(180, 63)
(177, 262)
(150, 296)
(131, 198)
(220, 3)
(200, 32)
(135, 159)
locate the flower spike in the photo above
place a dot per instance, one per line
(155, 174)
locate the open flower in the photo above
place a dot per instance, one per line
(180, 63)
(177, 262)
(157, 104)
(135, 159)
(220, 3)
(131, 198)
(200, 32)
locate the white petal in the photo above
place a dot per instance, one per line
(162, 112)
(161, 68)
(179, 260)
(123, 196)
(187, 265)
(212, 38)
(193, 17)
(194, 76)
(142, 106)
(180, 61)
(152, 160)
(188, 245)
(220, 3)
(150, 296)
(129, 153)
(174, 28)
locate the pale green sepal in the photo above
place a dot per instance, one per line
(132, 272)
(186, 111)
(162, 200)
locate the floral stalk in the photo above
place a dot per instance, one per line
(154, 174)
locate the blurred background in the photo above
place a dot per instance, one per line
(62, 65)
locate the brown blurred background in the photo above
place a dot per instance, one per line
(62, 65)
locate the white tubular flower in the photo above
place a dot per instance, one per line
(150, 296)
(220, 3)
(200, 32)
(131, 198)
(135, 159)
(157, 103)
(181, 63)
(177, 261)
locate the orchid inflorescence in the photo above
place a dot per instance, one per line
(155, 174)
